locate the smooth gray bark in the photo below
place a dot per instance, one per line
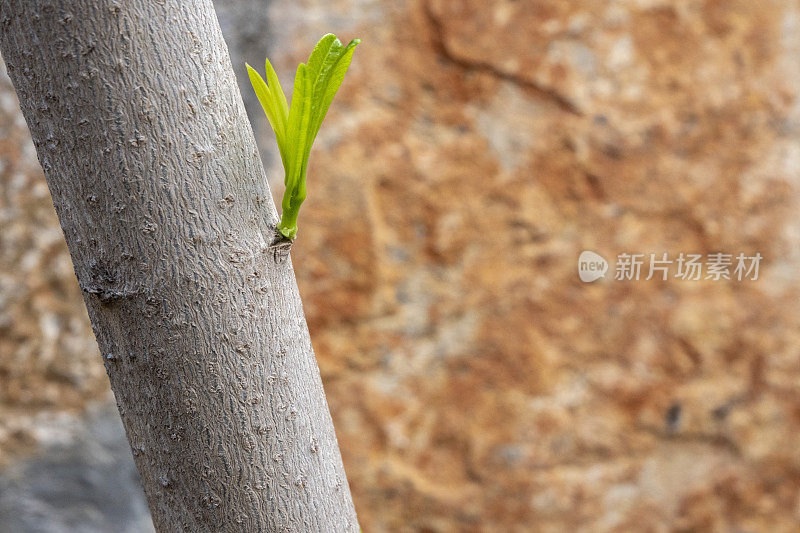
(155, 176)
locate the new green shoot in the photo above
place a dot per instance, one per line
(296, 126)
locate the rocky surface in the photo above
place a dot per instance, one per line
(82, 479)
(474, 151)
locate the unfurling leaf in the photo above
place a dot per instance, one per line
(296, 126)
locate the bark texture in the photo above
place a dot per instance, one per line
(155, 176)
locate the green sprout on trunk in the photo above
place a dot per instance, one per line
(296, 127)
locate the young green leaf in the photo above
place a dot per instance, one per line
(277, 92)
(263, 94)
(299, 115)
(271, 105)
(296, 126)
(333, 81)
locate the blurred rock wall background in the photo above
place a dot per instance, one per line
(476, 148)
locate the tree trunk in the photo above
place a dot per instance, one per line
(155, 176)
